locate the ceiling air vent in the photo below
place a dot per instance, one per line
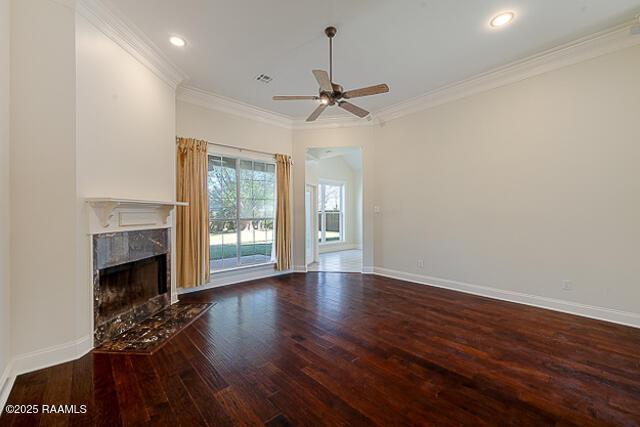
(264, 78)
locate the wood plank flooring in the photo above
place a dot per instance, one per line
(347, 349)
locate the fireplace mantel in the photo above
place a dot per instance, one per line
(111, 214)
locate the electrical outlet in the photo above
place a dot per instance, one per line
(420, 263)
(567, 285)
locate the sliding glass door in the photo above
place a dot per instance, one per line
(241, 211)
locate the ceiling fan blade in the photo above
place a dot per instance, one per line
(366, 91)
(317, 112)
(353, 109)
(323, 80)
(294, 98)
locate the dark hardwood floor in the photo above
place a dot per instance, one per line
(335, 349)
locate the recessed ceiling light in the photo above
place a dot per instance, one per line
(502, 19)
(177, 41)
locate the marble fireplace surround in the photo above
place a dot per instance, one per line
(122, 247)
(125, 230)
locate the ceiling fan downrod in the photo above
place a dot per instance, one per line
(330, 32)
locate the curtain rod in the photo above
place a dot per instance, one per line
(236, 148)
(241, 149)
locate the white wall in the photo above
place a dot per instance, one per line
(215, 126)
(517, 188)
(125, 138)
(195, 121)
(521, 187)
(362, 137)
(43, 175)
(87, 119)
(126, 122)
(5, 329)
(336, 169)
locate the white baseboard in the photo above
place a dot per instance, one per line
(40, 359)
(232, 277)
(599, 313)
(62, 353)
(6, 384)
(300, 268)
(66, 352)
(53, 355)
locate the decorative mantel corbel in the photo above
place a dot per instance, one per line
(105, 212)
(166, 211)
(111, 214)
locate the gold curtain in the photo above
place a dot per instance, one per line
(283, 212)
(192, 226)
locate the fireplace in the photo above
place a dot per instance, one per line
(127, 286)
(131, 279)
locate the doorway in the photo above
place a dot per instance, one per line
(333, 209)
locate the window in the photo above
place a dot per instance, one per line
(241, 211)
(330, 213)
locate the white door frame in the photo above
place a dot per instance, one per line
(313, 189)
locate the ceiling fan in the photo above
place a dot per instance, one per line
(331, 93)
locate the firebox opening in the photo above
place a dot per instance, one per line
(129, 285)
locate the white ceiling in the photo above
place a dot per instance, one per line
(351, 155)
(415, 46)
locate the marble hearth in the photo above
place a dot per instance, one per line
(131, 279)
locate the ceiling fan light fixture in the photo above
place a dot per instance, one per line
(331, 93)
(502, 19)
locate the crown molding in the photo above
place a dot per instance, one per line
(216, 102)
(123, 32)
(212, 101)
(592, 46)
(334, 123)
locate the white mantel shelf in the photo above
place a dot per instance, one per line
(113, 214)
